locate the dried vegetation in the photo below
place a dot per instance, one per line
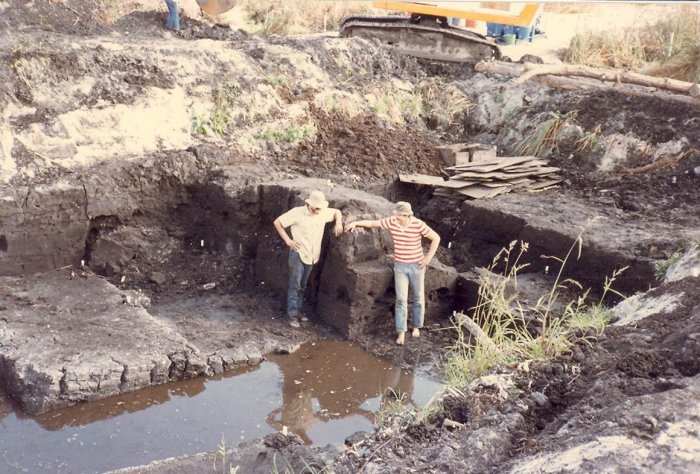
(669, 47)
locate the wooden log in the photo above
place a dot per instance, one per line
(475, 330)
(526, 71)
(633, 84)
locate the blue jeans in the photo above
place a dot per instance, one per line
(173, 22)
(298, 277)
(405, 275)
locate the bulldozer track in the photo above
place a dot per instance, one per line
(428, 42)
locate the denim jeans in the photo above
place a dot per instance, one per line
(173, 22)
(298, 277)
(405, 275)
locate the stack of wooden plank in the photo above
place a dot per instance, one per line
(490, 178)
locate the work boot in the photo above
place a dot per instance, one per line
(294, 323)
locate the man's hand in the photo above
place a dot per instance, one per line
(294, 245)
(424, 263)
(338, 229)
(349, 227)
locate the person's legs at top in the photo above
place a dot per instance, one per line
(416, 278)
(401, 271)
(173, 21)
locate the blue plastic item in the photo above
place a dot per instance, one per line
(524, 33)
(494, 29)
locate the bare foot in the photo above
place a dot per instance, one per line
(415, 333)
(399, 340)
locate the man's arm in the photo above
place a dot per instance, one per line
(338, 216)
(366, 223)
(434, 244)
(283, 233)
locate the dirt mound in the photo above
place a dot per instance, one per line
(364, 148)
(74, 17)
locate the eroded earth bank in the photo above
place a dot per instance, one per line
(141, 172)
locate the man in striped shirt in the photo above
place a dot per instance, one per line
(407, 233)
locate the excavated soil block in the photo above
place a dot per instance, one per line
(551, 223)
(67, 338)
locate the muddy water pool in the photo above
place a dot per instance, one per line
(323, 392)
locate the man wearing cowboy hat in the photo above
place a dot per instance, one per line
(407, 233)
(307, 224)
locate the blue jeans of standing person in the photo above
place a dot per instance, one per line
(409, 275)
(298, 277)
(173, 22)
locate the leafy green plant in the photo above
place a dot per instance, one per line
(199, 125)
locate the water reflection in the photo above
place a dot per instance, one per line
(324, 392)
(336, 380)
(86, 413)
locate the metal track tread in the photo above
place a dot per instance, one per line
(399, 24)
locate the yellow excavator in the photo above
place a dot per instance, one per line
(425, 30)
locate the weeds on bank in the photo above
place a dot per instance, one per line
(307, 468)
(397, 106)
(507, 336)
(669, 47)
(298, 16)
(544, 139)
(276, 81)
(589, 140)
(392, 404)
(223, 97)
(220, 456)
(289, 135)
(444, 101)
(662, 266)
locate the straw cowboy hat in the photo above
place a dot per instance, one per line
(317, 200)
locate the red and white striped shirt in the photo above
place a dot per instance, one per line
(408, 246)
